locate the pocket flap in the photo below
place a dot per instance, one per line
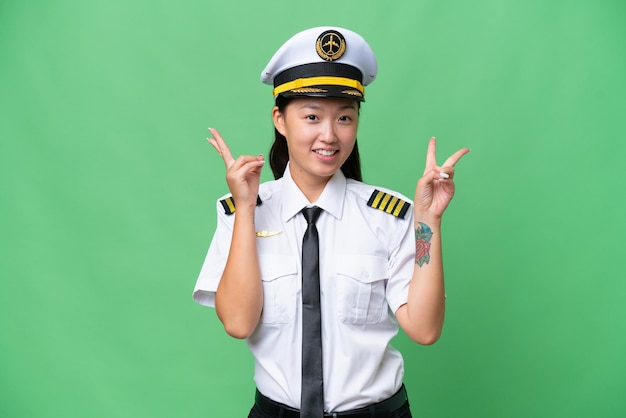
(364, 268)
(274, 266)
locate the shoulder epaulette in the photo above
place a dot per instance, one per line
(388, 203)
(229, 204)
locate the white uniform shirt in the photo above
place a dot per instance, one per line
(367, 259)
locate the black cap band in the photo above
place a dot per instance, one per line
(317, 69)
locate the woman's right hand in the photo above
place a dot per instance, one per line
(242, 174)
(239, 295)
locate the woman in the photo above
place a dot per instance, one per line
(318, 293)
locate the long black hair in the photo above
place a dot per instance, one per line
(279, 153)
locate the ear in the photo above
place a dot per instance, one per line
(279, 120)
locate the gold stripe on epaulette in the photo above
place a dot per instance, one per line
(229, 204)
(388, 203)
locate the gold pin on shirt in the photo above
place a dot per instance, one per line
(267, 234)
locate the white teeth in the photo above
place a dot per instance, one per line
(324, 152)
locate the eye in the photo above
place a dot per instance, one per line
(311, 117)
(345, 118)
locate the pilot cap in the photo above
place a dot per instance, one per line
(322, 62)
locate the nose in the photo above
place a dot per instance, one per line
(327, 133)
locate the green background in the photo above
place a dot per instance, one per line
(108, 188)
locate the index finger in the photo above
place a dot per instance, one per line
(431, 155)
(454, 158)
(220, 146)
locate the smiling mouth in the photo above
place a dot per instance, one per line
(325, 153)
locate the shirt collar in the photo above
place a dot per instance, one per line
(331, 200)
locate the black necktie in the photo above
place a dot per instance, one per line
(312, 398)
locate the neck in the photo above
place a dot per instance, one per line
(311, 188)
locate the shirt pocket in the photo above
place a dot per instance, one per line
(361, 282)
(279, 274)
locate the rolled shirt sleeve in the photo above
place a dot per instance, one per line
(215, 260)
(401, 263)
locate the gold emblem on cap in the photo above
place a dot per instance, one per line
(330, 45)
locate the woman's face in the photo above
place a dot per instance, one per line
(320, 134)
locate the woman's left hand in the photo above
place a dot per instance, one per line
(435, 189)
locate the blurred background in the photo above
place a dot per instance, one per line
(108, 189)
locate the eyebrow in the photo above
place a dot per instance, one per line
(318, 107)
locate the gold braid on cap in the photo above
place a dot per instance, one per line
(309, 90)
(319, 81)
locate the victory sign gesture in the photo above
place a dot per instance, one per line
(435, 189)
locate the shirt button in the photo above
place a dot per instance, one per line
(365, 275)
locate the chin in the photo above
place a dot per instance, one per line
(326, 171)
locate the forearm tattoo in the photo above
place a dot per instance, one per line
(423, 234)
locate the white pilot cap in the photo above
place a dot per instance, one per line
(324, 62)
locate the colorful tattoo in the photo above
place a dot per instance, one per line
(423, 234)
